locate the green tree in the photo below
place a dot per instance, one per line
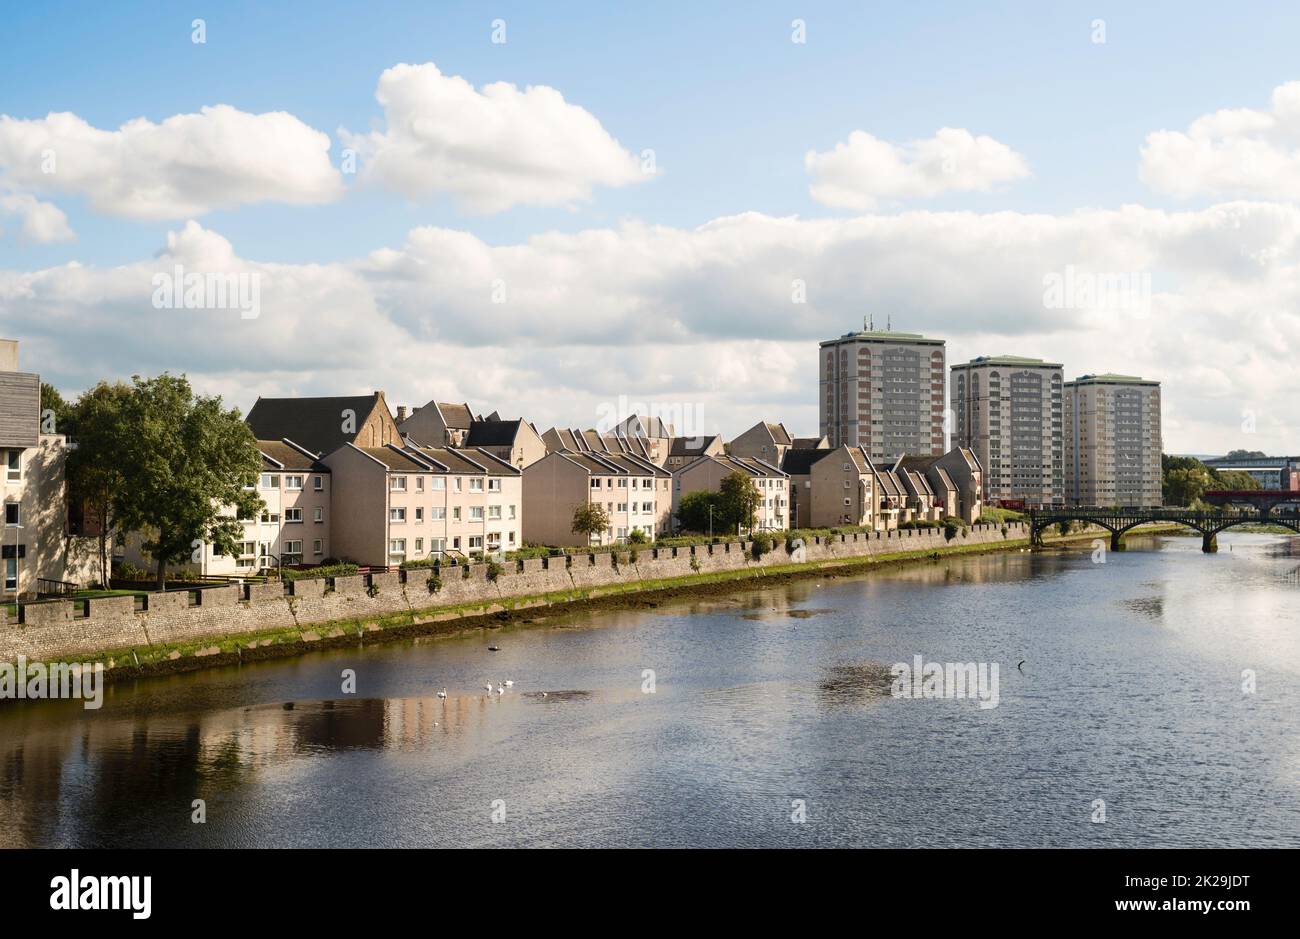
(1185, 480)
(94, 464)
(185, 461)
(1235, 479)
(740, 499)
(54, 406)
(590, 519)
(698, 511)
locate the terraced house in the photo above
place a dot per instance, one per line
(707, 474)
(634, 493)
(35, 543)
(409, 503)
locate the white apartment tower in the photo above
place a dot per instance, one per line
(1008, 409)
(883, 391)
(1112, 441)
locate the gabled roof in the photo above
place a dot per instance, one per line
(945, 478)
(286, 455)
(637, 426)
(440, 461)
(690, 446)
(810, 443)
(800, 462)
(454, 415)
(890, 483)
(605, 464)
(316, 423)
(494, 433)
(779, 434)
(746, 464)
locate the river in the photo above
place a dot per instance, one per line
(762, 725)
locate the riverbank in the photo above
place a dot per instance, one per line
(160, 656)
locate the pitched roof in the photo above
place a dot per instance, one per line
(455, 415)
(636, 426)
(605, 464)
(779, 434)
(493, 433)
(439, 460)
(315, 423)
(810, 443)
(746, 464)
(286, 455)
(800, 462)
(690, 446)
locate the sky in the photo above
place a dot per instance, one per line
(565, 211)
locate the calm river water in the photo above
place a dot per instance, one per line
(1130, 692)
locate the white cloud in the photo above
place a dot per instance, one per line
(597, 314)
(42, 222)
(860, 172)
(1239, 152)
(491, 148)
(185, 166)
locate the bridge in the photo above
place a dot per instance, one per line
(1119, 520)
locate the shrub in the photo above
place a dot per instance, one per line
(632, 555)
(1005, 530)
(434, 583)
(325, 570)
(494, 570)
(637, 536)
(419, 564)
(949, 530)
(695, 563)
(372, 590)
(762, 543)
(464, 571)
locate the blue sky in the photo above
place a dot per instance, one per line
(727, 102)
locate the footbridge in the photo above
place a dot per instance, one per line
(1120, 520)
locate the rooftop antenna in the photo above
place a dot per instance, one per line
(889, 322)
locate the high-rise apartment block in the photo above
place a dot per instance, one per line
(1008, 410)
(1112, 441)
(883, 391)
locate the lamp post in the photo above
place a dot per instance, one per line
(710, 523)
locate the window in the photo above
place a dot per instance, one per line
(318, 483)
(293, 482)
(293, 547)
(398, 484)
(419, 484)
(11, 572)
(318, 547)
(475, 541)
(647, 507)
(455, 544)
(512, 537)
(455, 513)
(15, 471)
(512, 511)
(419, 514)
(438, 484)
(494, 511)
(457, 486)
(438, 513)
(270, 481)
(622, 483)
(11, 514)
(437, 545)
(622, 506)
(476, 484)
(397, 514)
(293, 515)
(397, 546)
(476, 513)
(318, 515)
(419, 545)
(595, 482)
(494, 485)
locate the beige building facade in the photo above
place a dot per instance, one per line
(1113, 441)
(635, 494)
(883, 391)
(1009, 411)
(707, 473)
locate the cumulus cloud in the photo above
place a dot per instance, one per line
(187, 165)
(864, 170)
(41, 222)
(1238, 152)
(491, 148)
(561, 325)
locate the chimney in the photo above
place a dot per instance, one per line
(401, 412)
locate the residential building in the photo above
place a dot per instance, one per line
(946, 494)
(764, 441)
(883, 391)
(634, 493)
(651, 433)
(797, 464)
(1271, 472)
(1113, 441)
(292, 530)
(683, 451)
(322, 425)
(844, 488)
(516, 442)
(891, 506)
(1008, 410)
(572, 440)
(35, 542)
(707, 473)
(922, 503)
(437, 424)
(409, 503)
(962, 469)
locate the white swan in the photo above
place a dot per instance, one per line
(488, 686)
(509, 683)
(442, 693)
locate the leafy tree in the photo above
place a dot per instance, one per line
(637, 536)
(95, 464)
(740, 499)
(1236, 480)
(590, 519)
(184, 461)
(63, 412)
(1245, 455)
(693, 511)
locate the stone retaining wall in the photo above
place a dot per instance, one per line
(53, 630)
